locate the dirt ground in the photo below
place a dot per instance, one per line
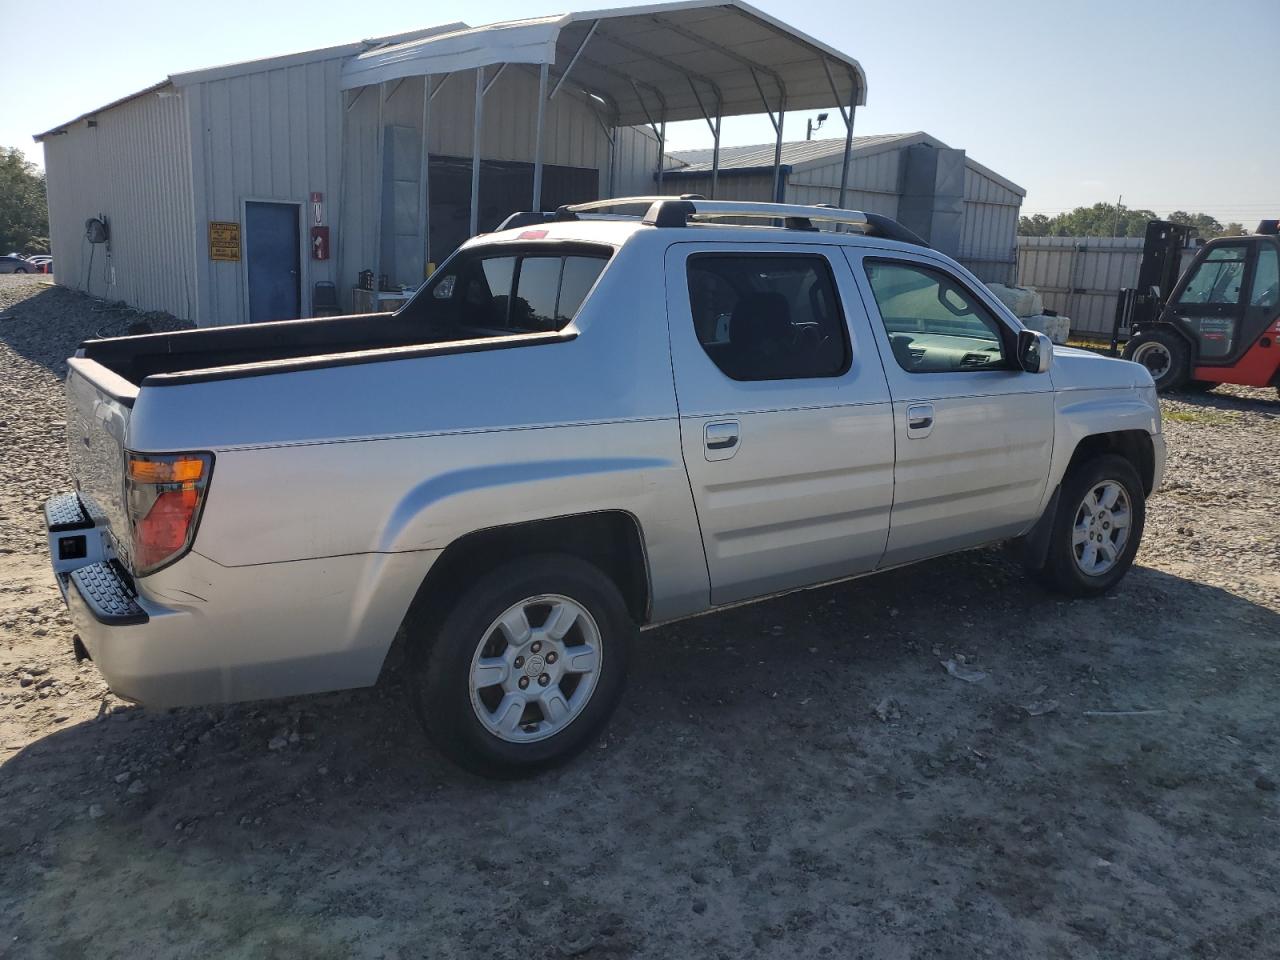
(799, 778)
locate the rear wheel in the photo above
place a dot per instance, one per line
(1163, 353)
(526, 668)
(1097, 529)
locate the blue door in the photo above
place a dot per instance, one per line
(271, 255)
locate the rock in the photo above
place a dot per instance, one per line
(1265, 784)
(96, 811)
(1038, 708)
(888, 709)
(699, 906)
(963, 673)
(123, 777)
(137, 787)
(278, 742)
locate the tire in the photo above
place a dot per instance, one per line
(1066, 561)
(509, 745)
(1164, 354)
(20, 270)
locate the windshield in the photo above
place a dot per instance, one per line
(504, 290)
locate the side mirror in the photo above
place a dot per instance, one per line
(1035, 351)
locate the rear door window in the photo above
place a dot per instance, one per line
(768, 317)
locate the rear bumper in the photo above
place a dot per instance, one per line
(198, 632)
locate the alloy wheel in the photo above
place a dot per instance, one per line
(535, 668)
(1101, 528)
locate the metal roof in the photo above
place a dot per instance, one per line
(245, 67)
(807, 154)
(649, 63)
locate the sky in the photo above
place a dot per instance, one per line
(1171, 104)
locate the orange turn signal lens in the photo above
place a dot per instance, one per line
(169, 470)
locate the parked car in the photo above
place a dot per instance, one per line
(43, 263)
(14, 263)
(577, 428)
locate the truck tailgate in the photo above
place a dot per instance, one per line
(99, 403)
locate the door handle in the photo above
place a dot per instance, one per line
(720, 439)
(919, 420)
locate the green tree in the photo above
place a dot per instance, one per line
(1234, 229)
(1108, 220)
(24, 210)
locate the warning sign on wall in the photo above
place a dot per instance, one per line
(224, 240)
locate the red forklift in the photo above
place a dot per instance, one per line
(1220, 323)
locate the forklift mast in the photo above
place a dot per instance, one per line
(1157, 274)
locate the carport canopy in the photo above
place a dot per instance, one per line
(645, 65)
(672, 61)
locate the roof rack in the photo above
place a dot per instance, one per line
(679, 211)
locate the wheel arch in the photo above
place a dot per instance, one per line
(612, 540)
(1134, 445)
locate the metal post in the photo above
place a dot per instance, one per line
(380, 179)
(848, 150)
(777, 152)
(424, 215)
(715, 151)
(613, 161)
(475, 152)
(543, 73)
(662, 150)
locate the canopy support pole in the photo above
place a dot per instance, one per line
(659, 130)
(848, 150)
(714, 126)
(475, 152)
(380, 180)
(847, 117)
(777, 128)
(574, 59)
(662, 149)
(543, 74)
(424, 215)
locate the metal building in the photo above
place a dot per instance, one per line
(961, 207)
(262, 190)
(237, 193)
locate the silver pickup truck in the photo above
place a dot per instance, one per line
(582, 425)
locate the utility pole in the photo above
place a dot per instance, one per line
(1115, 227)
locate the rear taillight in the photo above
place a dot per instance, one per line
(164, 494)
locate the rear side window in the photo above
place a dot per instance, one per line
(492, 292)
(762, 317)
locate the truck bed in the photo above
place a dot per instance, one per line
(136, 358)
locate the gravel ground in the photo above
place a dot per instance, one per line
(797, 778)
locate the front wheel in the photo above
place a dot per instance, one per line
(1163, 353)
(1098, 527)
(526, 668)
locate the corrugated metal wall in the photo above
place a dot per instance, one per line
(133, 167)
(1081, 277)
(989, 227)
(989, 230)
(271, 135)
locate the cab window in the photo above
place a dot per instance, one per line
(1266, 279)
(1218, 279)
(491, 292)
(935, 325)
